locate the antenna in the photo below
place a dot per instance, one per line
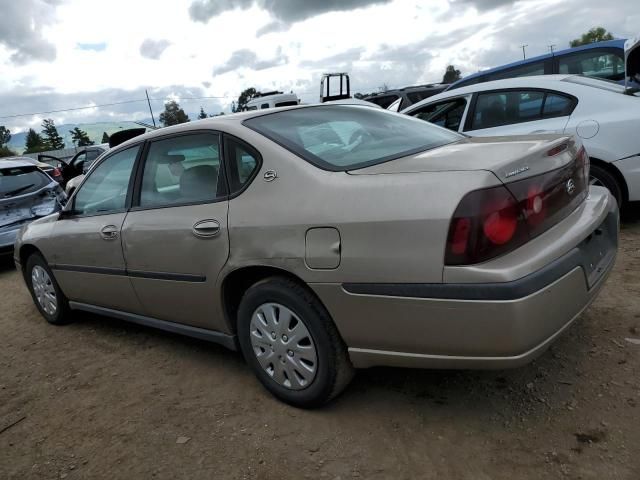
(524, 53)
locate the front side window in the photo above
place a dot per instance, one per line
(105, 190)
(595, 63)
(264, 105)
(447, 114)
(182, 170)
(557, 106)
(346, 137)
(289, 103)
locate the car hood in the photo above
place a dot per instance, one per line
(514, 157)
(632, 58)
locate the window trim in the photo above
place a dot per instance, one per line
(135, 206)
(227, 160)
(71, 213)
(474, 101)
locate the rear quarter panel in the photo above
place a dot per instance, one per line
(393, 227)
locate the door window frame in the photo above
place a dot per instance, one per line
(227, 161)
(134, 206)
(467, 97)
(71, 213)
(471, 110)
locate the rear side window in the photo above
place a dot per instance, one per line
(346, 137)
(182, 170)
(536, 68)
(243, 162)
(384, 100)
(21, 180)
(593, 63)
(500, 108)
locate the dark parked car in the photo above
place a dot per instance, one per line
(26, 193)
(401, 98)
(78, 164)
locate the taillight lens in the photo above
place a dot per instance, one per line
(56, 172)
(497, 220)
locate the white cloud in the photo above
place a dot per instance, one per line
(395, 42)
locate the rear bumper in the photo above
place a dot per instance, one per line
(473, 325)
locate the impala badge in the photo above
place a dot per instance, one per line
(517, 171)
(570, 186)
(270, 175)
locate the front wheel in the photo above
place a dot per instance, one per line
(291, 343)
(46, 293)
(603, 178)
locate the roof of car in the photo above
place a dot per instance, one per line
(412, 88)
(617, 43)
(538, 81)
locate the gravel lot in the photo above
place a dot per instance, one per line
(104, 399)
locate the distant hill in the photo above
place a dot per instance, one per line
(94, 130)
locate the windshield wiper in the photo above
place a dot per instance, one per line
(18, 190)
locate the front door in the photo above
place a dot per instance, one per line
(88, 259)
(175, 238)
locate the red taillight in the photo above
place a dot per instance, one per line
(56, 172)
(497, 220)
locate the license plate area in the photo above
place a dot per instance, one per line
(598, 249)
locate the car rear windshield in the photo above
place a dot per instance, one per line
(16, 181)
(347, 137)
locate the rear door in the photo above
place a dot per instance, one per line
(88, 259)
(175, 237)
(518, 112)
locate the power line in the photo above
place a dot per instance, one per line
(124, 102)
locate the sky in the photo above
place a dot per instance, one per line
(60, 54)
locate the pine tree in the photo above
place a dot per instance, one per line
(105, 137)
(51, 135)
(5, 135)
(80, 137)
(202, 114)
(34, 142)
(173, 114)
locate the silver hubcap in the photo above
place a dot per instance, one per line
(283, 346)
(43, 289)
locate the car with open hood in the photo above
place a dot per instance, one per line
(316, 239)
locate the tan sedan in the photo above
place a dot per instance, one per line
(317, 239)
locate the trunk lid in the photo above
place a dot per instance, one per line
(509, 158)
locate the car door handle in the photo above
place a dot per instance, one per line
(206, 228)
(109, 232)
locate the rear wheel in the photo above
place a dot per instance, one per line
(291, 343)
(601, 177)
(46, 293)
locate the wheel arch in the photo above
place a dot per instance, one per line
(237, 282)
(25, 252)
(612, 169)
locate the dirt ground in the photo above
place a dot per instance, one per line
(105, 399)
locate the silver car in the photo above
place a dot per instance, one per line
(317, 239)
(26, 193)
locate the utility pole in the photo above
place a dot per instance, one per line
(150, 111)
(524, 54)
(551, 48)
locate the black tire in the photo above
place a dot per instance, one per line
(334, 370)
(608, 180)
(62, 314)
